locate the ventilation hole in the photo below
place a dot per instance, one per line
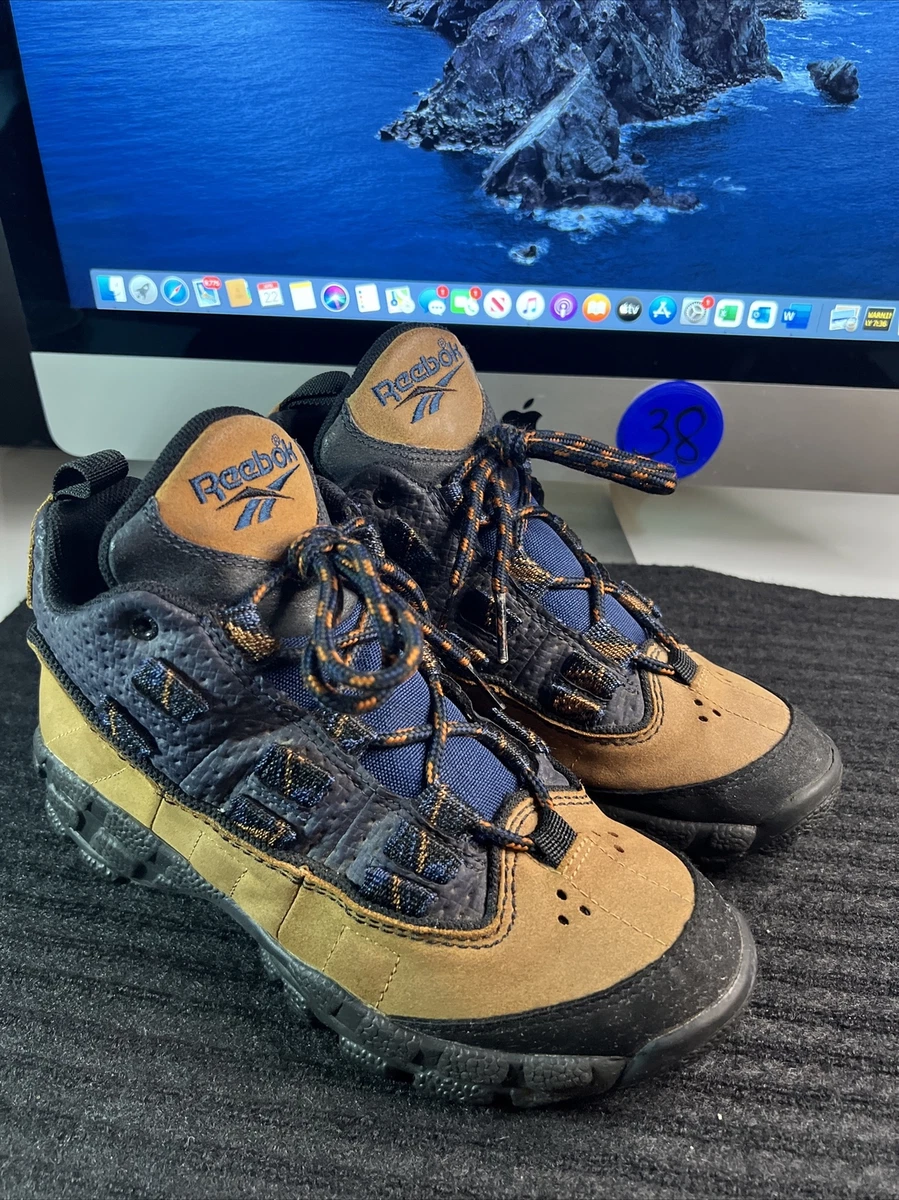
(585, 910)
(620, 849)
(144, 628)
(562, 895)
(563, 920)
(715, 711)
(703, 718)
(698, 703)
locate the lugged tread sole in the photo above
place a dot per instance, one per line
(719, 843)
(119, 849)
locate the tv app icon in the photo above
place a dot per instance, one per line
(729, 314)
(629, 309)
(796, 316)
(762, 314)
(111, 289)
(399, 300)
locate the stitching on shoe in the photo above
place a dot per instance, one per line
(619, 862)
(193, 848)
(741, 716)
(337, 940)
(111, 775)
(590, 844)
(241, 876)
(57, 737)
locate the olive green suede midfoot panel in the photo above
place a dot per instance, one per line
(638, 897)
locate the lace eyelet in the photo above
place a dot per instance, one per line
(383, 497)
(143, 627)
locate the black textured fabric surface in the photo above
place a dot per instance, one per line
(143, 1054)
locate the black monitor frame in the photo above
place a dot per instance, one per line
(53, 325)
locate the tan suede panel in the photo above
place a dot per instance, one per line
(362, 965)
(216, 861)
(232, 461)
(717, 725)
(624, 900)
(423, 364)
(264, 895)
(637, 896)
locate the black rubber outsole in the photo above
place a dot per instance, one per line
(119, 849)
(718, 843)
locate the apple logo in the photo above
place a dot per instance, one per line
(524, 420)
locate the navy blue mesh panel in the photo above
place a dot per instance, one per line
(471, 770)
(618, 616)
(572, 606)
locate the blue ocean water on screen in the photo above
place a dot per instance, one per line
(241, 136)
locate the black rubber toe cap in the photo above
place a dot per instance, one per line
(773, 793)
(696, 986)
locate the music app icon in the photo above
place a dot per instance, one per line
(530, 305)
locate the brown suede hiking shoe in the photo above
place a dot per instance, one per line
(238, 703)
(664, 739)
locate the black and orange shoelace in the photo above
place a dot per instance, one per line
(493, 491)
(392, 610)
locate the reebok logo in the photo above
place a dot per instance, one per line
(411, 385)
(258, 501)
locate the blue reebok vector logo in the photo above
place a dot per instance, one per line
(258, 501)
(411, 384)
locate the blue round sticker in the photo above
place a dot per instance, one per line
(678, 422)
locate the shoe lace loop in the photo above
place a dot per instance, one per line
(393, 610)
(480, 492)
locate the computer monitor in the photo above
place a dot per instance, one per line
(206, 202)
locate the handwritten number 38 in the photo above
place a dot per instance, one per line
(680, 428)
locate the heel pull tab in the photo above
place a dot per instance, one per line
(81, 478)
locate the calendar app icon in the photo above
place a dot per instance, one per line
(270, 295)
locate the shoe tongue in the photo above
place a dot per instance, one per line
(415, 403)
(224, 500)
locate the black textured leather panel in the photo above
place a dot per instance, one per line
(101, 644)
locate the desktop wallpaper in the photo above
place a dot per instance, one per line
(664, 144)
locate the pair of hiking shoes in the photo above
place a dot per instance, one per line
(388, 714)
